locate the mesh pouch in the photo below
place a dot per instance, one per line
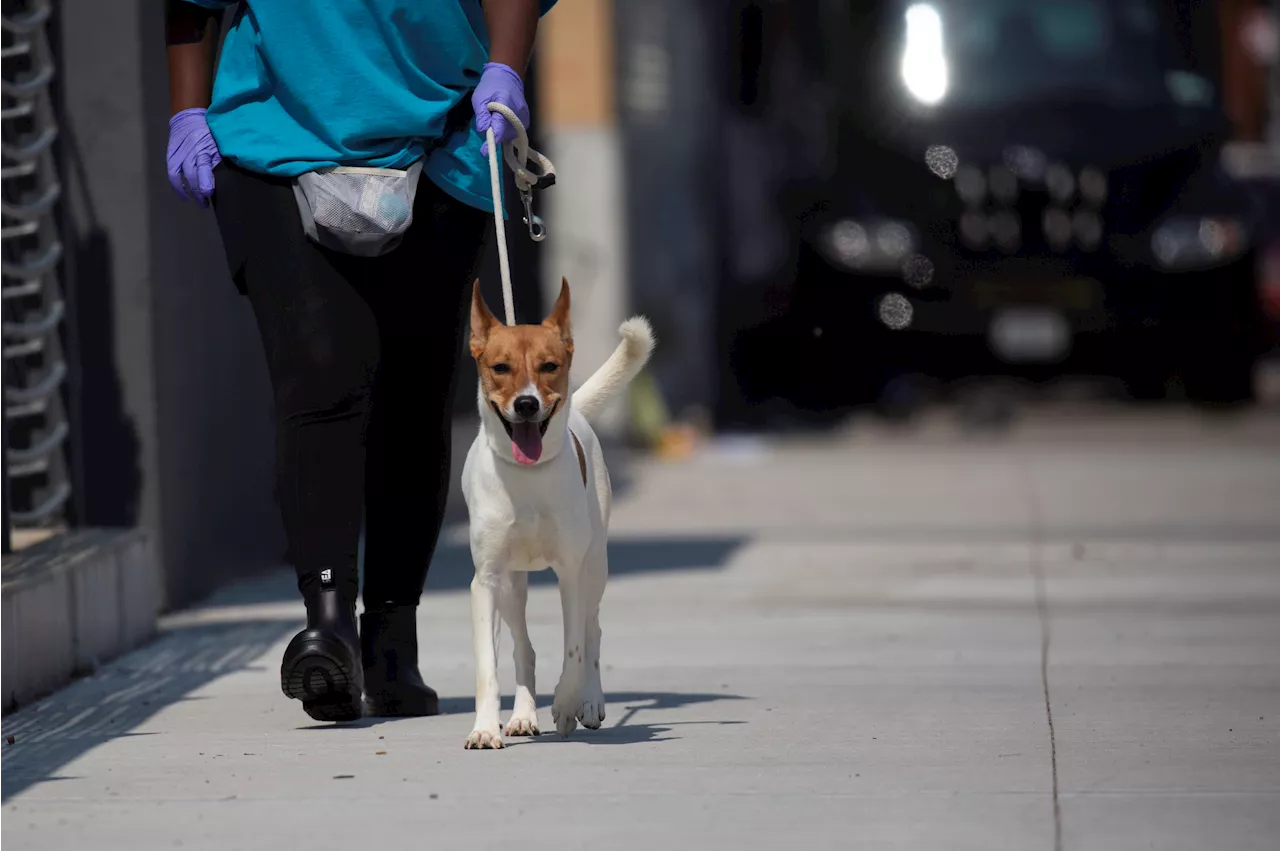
(360, 211)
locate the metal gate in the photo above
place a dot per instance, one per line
(36, 429)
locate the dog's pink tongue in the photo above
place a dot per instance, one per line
(526, 442)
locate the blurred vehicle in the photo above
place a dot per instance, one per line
(1032, 187)
(1258, 168)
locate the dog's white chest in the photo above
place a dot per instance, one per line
(524, 519)
(534, 544)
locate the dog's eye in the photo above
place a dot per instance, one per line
(501, 368)
(549, 367)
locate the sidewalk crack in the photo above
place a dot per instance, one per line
(1036, 564)
(1042, 609)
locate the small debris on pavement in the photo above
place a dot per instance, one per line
(380, 753)
(10, 740)
(344, 777)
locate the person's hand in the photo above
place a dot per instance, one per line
(192, 156)
(501, 84)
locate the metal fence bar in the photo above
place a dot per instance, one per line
(37, 487)
(5, 517)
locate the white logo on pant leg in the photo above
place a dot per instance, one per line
(326, 576)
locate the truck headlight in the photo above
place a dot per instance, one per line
(877, 246)
(1186, 243)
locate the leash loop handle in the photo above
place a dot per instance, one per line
(520, 157)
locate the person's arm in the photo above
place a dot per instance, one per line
(191, 34)
(512, 25)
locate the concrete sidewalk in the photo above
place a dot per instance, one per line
(1063, 637)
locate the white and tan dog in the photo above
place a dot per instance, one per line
(538, 496)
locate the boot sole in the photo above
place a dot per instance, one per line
(315, 673)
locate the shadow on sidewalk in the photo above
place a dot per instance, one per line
(622, 705)
(631, 734)
(451, 569)
(120, 697)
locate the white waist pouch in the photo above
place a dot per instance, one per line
(360, 211)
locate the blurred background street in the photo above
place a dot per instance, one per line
(948, 510)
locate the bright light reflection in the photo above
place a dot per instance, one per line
(924, 64)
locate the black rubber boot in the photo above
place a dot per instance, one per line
(389, 647)
(321, 665)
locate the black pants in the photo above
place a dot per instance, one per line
(362, 354)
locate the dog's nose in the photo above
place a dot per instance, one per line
(526, 406)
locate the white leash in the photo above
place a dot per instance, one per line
(519, 157)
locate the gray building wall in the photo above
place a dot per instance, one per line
(174, 409)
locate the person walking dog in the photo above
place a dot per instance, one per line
(341, 147)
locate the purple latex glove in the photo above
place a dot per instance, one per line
(192, 156)
(499, 83)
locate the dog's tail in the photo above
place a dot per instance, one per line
(623, 365)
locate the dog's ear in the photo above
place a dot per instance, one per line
(558, 320)
(482, 321)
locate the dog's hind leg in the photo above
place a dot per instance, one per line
(564, 708)
(595, 573)
(484, 635)
(513, 597)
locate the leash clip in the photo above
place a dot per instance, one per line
(537, 230)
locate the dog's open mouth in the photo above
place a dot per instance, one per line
(526, 437)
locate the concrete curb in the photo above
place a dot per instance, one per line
(73, 602)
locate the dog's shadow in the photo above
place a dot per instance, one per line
(620, 734)
(624, 706)
(624, 731)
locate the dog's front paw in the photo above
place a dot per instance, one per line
(522, 725)
(591, 712)
(564, 711)
(481, 740)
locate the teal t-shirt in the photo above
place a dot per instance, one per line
(378, 83)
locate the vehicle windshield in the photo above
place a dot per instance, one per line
(996, 53)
